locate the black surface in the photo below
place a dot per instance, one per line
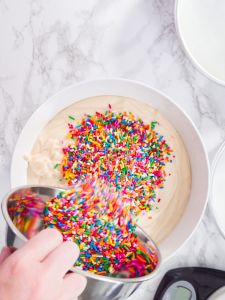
(204, 280)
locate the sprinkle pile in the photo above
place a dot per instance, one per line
(99, 221)
(25, 210)
(125, 152)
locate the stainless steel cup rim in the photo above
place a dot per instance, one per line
(76, 269)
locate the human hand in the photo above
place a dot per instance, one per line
(38, 270)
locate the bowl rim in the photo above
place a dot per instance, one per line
(118, 80)
(191, 57)
(216, 160)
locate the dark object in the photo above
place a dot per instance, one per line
(190, 284)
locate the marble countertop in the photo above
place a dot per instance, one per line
(48, 45)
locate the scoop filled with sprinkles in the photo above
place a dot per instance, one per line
(99, 221)
(96, 218)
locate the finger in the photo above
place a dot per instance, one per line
(62, 258)
(41, 244)
(73, 285)
(6, 251)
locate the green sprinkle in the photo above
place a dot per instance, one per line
(125, 247)
(153, 124)
(56, 166)
(72, 118)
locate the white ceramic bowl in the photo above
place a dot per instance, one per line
(218, 188)
(201, 27)
(122, 87)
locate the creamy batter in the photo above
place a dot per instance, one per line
(47, 151)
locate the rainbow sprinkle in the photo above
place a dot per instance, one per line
(123, 151)
(25, 210)
(99, 221)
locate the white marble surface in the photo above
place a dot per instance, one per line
(48, 45)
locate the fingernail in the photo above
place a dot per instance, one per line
(74, 246)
